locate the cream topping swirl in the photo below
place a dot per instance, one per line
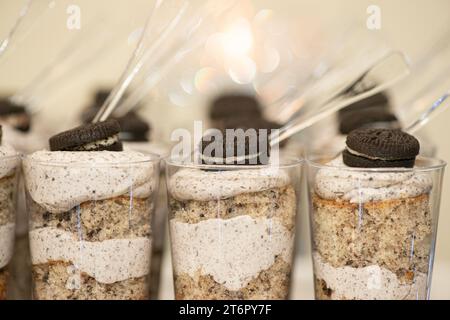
(195, 184)
(59, 181)
(364, 186)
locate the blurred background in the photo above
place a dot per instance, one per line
(63, 52)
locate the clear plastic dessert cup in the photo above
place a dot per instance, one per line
(90, 223)
(232, 229)
(373, 230)
(9, 165)
(159, 218)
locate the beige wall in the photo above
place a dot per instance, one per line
(407, 24)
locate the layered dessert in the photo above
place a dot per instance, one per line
(232, 230)
(20, 132)
(372, 229)
(9, 162)
(90, 206)
(232, 233)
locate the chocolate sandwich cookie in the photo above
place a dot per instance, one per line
(15, 115)
(101, 96)
(92, 109)
(134, 128)
(380, 148)
(228, 106)
(102, 136)
(379, 101)
(368, 117)
(253, 123)
(89, 114)
(250, 123)
(235, 147)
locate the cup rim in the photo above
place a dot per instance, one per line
(178, 162)
(312, 161)
(148, 143)
(152, 158)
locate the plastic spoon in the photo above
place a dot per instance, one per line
(23, 12)
(70, 60)
(179, 32)
(33, 12)
(378, 77)
(134, 66)
(437, 107)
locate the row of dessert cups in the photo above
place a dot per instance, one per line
(232, 228)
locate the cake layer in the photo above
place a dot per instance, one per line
(393, 234)
(269, 284)
(8, 191)
(7, 233)
(116, 218)
(277, 203)
(3, 283)
(62, 281)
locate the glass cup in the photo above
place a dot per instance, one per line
(373, 230)
(159, 218)
(90, 225)
(232, 229)
(9, 174)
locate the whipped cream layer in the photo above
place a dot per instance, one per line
(232, 251)
(8, 166)
(107, 261)
(195, 184)
(6, 243)
(365, 186)
(59, 181)
(368, 283)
